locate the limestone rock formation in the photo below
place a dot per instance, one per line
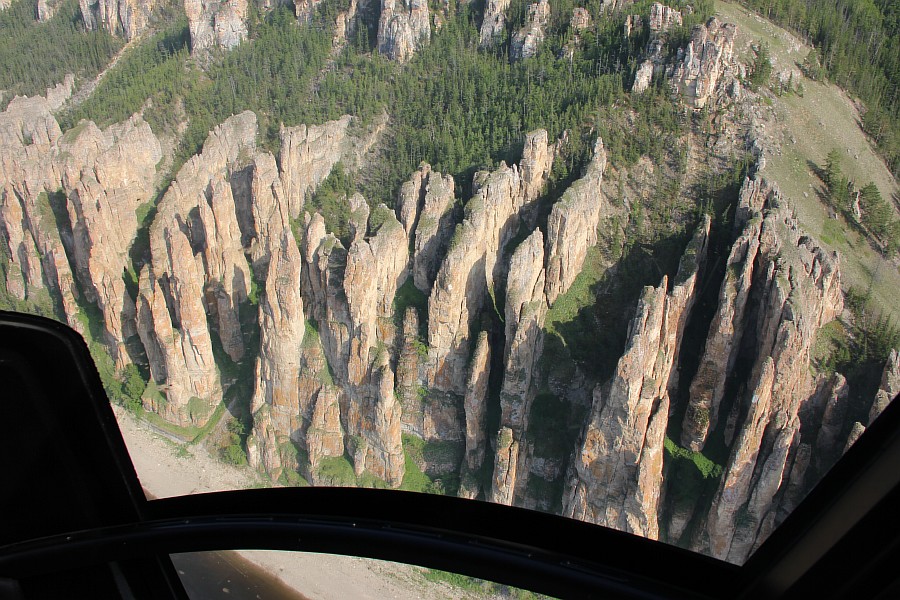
(305, 9)
(526, 42)
(581, 19)
(663, 18)
(413, 416)
(403, 28)
(526, 307)
(125, 18)
(282, 325)
(613, 6)
(106, 176)
(493, 26)
(308, 153)
(505, 468)
(412, 197)
(643, 77)
(475, 405)
(572, 226)
(433, 230)
(889, 388)
(472, 265)
(197, 267)
(632, 24)
(69, 202)
(700, 67)
(727, 328)
(616, 477)
(46, 9)
(58, 95)
(795, 287)
(216, 23)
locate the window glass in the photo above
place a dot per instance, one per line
(631, 263)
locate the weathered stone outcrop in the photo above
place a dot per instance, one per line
(412, 197)
(4, 4)
(613, 6)
(889, 388)
(493, 26)
(795, 288)
(305, 9)
(374, 421)
(46, 9)
(526, 307)
(282, 325)
(375, 269)
(60, 93)
(403, 28)
(663, 18)
(308, 153)
(124, 18)
(572, 226)
(643, 77)
(727, 328)
(475, 406)
(197, 268)
(216, 23)
(68, 203)
(471, 267)
(434, 229)
(616, 477)
(700, 67)
(632, 24)
(581, 19)
(505, 468)
(413, 416)
(106, 176)
(526, 42)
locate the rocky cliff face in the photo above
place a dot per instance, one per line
(572, 226)
(471, 266)
(403, 28)
(700, 68)
(476, 413)
(889, 388)
(662, 17)
(493, 26)
(107, 176)
(308, 153)
(795, 287)
(125, 18)
(46, 9)
(526, 42)
(616, 477)
(68, 210)
(197, 268)
(526, 307)
(216, 23)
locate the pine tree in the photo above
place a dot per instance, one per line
(832, 169)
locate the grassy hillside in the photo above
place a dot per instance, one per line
(804, 129)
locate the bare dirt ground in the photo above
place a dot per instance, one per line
(168, 469)
(806, 129)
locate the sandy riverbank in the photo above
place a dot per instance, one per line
(166, 469)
